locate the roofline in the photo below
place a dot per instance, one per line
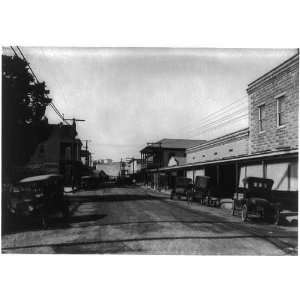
(238, 133)
(237, 158)
(273, 71)
(164, 148)
(42, 177)
(172, 148)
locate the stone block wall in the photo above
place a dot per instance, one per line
(281, 81)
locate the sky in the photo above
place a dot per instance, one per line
(131, 96)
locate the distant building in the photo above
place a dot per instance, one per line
(158, 154)
(162, 154)
(110, 168)
(134, 166)
(86, 157)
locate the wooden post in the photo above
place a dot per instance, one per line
(264, 169)
(236, 179)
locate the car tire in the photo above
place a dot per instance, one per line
(44, 221)
(276, 216)
(244, 213)
(189, 198)
(233, 209)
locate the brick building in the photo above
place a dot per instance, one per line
(273, 108)
(268, 148)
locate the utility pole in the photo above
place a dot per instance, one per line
(74, 120)
(121, 167)
(87, 158)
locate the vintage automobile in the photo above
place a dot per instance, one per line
(204, 192)
(38, 196)
(201, 189)
(89, 182)
(256, 199)
(183, 187)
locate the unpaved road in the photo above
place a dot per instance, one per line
(132, 220)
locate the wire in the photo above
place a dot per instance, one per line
(220, 111)
(209, 124)
(221, 124)
(51, 104)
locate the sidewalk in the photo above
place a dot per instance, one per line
(287, 217)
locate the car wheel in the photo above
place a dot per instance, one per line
(44, 221)
(276, 216)
(244, 214)
(189, 198)
(233, 209)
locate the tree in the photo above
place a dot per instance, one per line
(24, 103)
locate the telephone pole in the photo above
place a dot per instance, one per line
(87, 157)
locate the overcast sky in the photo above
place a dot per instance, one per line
(131, 96)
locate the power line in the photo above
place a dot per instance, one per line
(209, 124)
(220, 111)
(220, 124)
(51, 104)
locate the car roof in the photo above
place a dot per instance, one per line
(39, 178)
(252, 178)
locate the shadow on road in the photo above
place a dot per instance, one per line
(55, 222)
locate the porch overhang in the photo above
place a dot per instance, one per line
(244, 158)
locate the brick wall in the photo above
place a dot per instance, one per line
(282, 80)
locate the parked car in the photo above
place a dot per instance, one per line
(256, 199)
(201, 189)
(89, 182)
(38, 196)
(205, 192)
(183, 187)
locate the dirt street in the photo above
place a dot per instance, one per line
(133, 220)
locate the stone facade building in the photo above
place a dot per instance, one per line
(268, 148)
(273, 109)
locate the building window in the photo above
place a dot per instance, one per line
(280, 111)
(262, 117)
